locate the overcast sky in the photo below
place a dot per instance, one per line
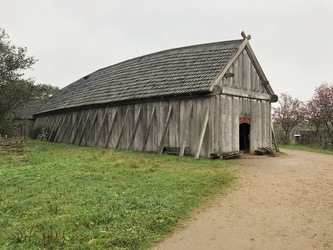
(292, 39)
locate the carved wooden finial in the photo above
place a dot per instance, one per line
(245, 37)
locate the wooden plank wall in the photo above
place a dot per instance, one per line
(144, 126)
(245, 76)
(103, 127)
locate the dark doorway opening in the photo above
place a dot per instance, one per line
(244, 137)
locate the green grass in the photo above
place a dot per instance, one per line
(308, 148)
(68, 197)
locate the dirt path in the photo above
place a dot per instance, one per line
(277, 203)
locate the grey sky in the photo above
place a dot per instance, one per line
(72, 38)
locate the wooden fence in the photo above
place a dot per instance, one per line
(324, 142)
(12, 145)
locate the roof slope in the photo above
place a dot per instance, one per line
(30, 109)
(180, 71)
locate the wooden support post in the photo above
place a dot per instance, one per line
(78, 127)
(122, 128)
(130, 144)
(149, 128)
(84, 128)
(111, 128)
(204, 127)
(91, 129)
(100, 129)
(166, 125)
(182, 148)
(274, 138)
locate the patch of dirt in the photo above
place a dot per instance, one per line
(276, 203)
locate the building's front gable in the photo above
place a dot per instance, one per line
(245, 102)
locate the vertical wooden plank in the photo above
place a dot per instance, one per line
(155, 141)
(217, 125)
(142, 129)
(211, 126)
(271, 128)
(52, 126)
(249, 73)
(76, 131)
(236, 79)
(259, 117)
(46, 125)
(166, 125)
(240, 70)
(227, 82)
(122, 128)
(130, 126)
(199, 119)
(182, 120)
(203, 130)
(84, 127)
(148, 130)
(66, 127)
(121, 111)
(206, 143)
(266, 125)
(101, 128)
(72, 126)
(162, 113)
(186, 132)
(189, 108)
(60, 127)
(235, 124)
(91, 129)
(136, 125)
(222, 122)
(245, 70)
(255, 132)
(228, 123)
(253, 78)
(174, 124)
(114, 118)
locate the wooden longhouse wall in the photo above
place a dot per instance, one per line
(110, 127)
(203, 111)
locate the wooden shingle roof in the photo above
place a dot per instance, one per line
(27, 112)
(181, 71)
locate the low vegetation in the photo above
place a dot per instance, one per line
(310, 148)
(58, 196)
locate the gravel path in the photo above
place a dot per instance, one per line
(276, 203)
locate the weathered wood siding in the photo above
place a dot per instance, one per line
(150, 125)
(111, 127)
(246, 77)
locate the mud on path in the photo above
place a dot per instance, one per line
(276, 203)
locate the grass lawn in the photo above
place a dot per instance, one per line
(315, 149)
(68, 197)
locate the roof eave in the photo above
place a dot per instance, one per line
(203, 93)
